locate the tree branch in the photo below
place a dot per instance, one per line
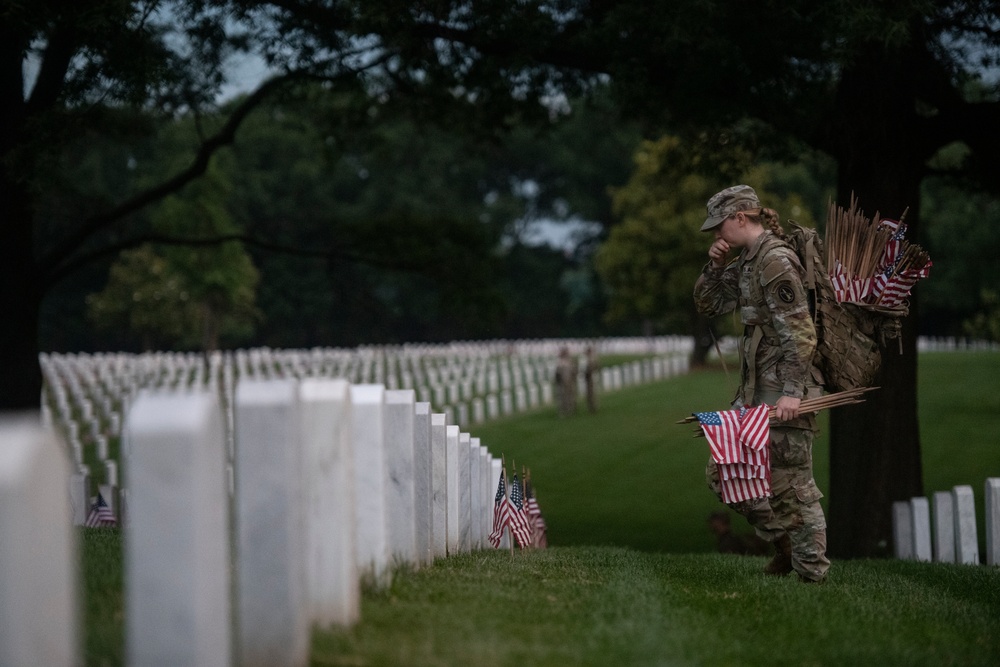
(330, 253)
(225, 136)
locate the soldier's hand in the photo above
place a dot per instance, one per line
(787, 408)
(717, 252)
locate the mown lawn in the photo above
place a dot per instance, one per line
(615, 606)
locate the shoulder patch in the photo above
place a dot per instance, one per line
(775, 265)
(785, 292)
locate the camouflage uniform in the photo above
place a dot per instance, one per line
(765, 285)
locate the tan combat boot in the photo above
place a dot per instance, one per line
(781, 564)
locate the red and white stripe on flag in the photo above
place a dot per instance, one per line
(738, 441)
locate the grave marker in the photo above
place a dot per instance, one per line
(273, 627)
(902, 529)
(177, 574)
(944, 527)
(992, 495)
(331, 564)
(439, 489)
(423, 482)
(38, 551)
(368, 439)
(966, 539)
(921, 522)
(400, 479)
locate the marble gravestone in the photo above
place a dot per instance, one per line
(177, 575)
(439, 485)
(454, 496)
(368, 442)
(273, 613)
(966, 537)
(331, 564)
(944, 527)
(423, 483)
(38, 552)
(400, 478)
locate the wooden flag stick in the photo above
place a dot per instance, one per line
(848, 397)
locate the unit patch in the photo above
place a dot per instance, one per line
(785, 291)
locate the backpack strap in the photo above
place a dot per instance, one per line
(757, 331)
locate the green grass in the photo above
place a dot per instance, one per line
(632, 579)
(613, 606)
(628, 475)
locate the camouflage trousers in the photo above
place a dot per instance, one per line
(793, 508)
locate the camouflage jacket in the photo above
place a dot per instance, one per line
(765, 285)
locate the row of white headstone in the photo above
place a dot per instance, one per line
(948, 534)
(952, 344)
(86, 395)
(255, 508)
(334, 484)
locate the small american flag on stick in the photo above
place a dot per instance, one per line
(100, 515)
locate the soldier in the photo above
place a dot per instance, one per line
(565, 383)
(590, 371)
(779, 338)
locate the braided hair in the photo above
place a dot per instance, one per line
(768, 218)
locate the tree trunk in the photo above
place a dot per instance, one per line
(704, 340)
(875, 447)
(20, 301)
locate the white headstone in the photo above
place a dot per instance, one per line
(333, 586)
(486, 472)
(400, 480)
(178, 577)
(944, 527)
(38, 551)
(921, 515)
(269, 512)
(966, 537)
(453, 463)
(439, 488)
(476, 489)
(79, 496)
(368, 439)
(423, 482)
(902, 529)
(464, 492)
(992, 496)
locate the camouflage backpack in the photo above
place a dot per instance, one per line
(848, 335)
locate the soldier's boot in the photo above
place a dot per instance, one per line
(781, 564)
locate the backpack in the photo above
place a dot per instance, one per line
(848, 335)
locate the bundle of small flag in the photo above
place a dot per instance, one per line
(871, 264)
(738, 441)
(519, 512)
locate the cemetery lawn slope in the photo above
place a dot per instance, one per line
(612, 606)
(630, 476)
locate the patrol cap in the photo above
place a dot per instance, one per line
(731, 200)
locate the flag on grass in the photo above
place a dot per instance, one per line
(538, 527)
(501, 511)
(519, 524)
(737, 440)
(100, 515)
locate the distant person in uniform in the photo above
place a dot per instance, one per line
(590, 371)
(565, 383)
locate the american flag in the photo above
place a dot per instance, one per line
(538, 527)
(501, 511)
(738, 442)
(518, 519)
(100, 515)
